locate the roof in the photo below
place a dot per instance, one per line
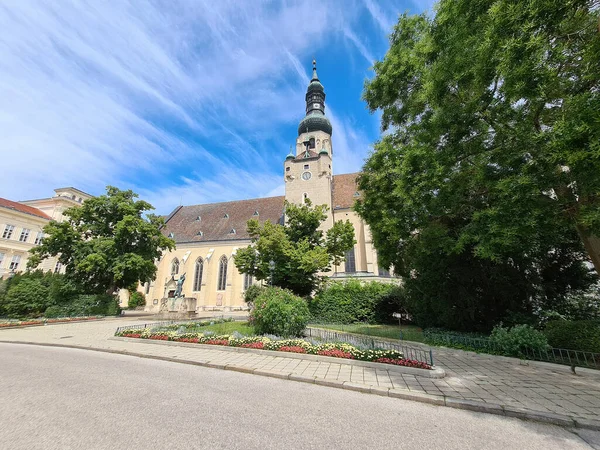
(217, 220)
(16, 206)
(345, 188)
(71, 188)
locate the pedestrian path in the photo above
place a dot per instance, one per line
(474, 381)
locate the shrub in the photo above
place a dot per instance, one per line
(29, 297)
(53, 312)
(252, 293)
(514, 341)
(278, 311)
(581, 335)
(136, 299)
(352, 301)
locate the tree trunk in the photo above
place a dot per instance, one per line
(591, 243)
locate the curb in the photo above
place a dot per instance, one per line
(16, 327)
(436, 372)
(438, 400)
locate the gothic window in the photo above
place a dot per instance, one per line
(350, 265)
(175, 267)
(222, 282)
(248, 279)
(198, 274)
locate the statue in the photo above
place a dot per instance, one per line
(179, 286)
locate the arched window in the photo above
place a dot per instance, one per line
(350, 265)
(222, 282)
(175, 267)
(198, 274)
(248, 279)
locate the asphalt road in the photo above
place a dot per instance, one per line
(58, 398)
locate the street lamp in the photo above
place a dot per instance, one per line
(271, 268)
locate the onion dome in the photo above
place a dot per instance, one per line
(290, 155)
(315, 119)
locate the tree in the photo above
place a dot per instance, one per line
(487, 183)
(494, 110)
(106, 244)
(298, 249)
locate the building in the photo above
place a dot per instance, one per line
(22, 224)
(208, 236)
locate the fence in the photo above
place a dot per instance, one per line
(553, 355)
(417, 354)
(175, 322)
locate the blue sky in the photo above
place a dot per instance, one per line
(183, 101)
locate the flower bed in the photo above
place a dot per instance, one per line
(335, 350)
(24, 323)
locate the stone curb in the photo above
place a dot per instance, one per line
(436, 372)
(17, 327)
(438, 400)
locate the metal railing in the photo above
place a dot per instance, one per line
(553, 355)
(176, 322)
(413, 353)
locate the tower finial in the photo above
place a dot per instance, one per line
(314, 76)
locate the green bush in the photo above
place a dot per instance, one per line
(27, 298)
(581, 335)
(352, 301)
(278, 311)
(53, 312)
(252, 293)
(136, 299)
(514, 341)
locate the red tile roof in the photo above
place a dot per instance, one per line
(345, 188)
(217, 220)
(9, 204)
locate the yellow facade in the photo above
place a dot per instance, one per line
(21, 228)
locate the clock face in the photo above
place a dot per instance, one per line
(306, 176)
(316, 105)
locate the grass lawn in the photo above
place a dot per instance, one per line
(227, 328)
(409, 332)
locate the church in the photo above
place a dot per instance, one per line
(208, 236)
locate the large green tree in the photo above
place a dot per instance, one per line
(493, 108)
(299, 249)
(106, 244)
(487, 181)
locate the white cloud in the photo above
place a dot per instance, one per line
(171, 98)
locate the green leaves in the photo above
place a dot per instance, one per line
(298, 249)
(106, 243)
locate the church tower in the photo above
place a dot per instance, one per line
(307, 171)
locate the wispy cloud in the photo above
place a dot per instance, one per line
(180, 100)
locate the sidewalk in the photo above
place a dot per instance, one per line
(479, 382)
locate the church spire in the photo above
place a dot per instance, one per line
(315, 107)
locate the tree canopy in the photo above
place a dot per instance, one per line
(106, 243)
(299, 249)
(494, 113)
(487, 180)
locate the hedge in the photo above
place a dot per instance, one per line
(581, 335)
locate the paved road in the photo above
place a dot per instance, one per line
(57, 398)
(484, 378)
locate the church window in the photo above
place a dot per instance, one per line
(350, 264)
(248, 279)
(175, 267)
(222, 274)
(306, 166)
(198, 274)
